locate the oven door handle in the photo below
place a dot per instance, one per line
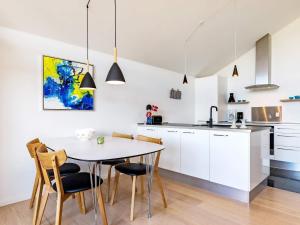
(280, 135)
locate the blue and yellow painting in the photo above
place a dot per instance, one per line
(61, 81)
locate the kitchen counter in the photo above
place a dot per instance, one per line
(217, 126)
(232, 162)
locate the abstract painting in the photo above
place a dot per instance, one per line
(61, 81)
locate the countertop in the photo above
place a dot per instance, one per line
(218, 127)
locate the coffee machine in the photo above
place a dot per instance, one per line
(239, 117)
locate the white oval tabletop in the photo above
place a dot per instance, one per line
(90, 150)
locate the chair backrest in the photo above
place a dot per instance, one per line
(119, 135)
(149, 139)
(152, 140)
(51, 161)
(31, 146)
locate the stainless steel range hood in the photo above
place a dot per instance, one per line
(263, 65)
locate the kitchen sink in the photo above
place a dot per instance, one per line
(214, 125)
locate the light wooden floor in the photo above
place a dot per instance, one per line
(187, 205)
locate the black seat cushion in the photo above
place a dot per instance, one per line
(113, 162)
(77, 182)
(132, 169)
(65, 169)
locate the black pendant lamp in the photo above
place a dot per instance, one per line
(235, 72)
(87, 82)
(185, 79)
(115, 75)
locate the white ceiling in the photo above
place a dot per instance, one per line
(154, 31)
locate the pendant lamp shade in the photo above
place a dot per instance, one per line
(235, 72)
(115, 75)
(87, 82)
(185, 79)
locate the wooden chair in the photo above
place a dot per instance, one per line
(64, 187)
(138, 170)
(112, 163)
(67, 168)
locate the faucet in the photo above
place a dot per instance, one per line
(210, 122)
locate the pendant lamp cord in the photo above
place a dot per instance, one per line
(185, 58)
(115, 23)
(87, 30)
(235, 29)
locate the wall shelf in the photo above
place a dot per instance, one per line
(238, 103)
(290, 100)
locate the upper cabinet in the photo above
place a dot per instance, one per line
(210, 91)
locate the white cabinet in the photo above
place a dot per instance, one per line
(235, 159)
(210, 91)
(170, 157)
(229, 159)
(149, 131)
(287, 143)
(195, 153)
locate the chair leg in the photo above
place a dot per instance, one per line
(42, 207)
(142, 185)
(116, 184)
(81, 202)
(102, 207)
(82, 199)
(132, 197)
(37, 202)
(34, 190)
(160, 185)
(108, 184)
(59, 206)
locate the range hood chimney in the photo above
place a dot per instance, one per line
(263, 65)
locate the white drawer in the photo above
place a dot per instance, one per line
(287, 154)
(287, 129)
(288, 140)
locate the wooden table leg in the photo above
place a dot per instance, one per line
(102, 207)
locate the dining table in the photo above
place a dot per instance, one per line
(113, 148)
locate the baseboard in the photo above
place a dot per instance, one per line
(14, 199)
(285, 165)
(228, 192)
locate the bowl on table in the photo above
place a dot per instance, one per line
(297, 96)
(85, 134)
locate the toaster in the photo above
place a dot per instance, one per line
(156, 120)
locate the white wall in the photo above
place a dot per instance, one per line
(117, 108)
(285, 73)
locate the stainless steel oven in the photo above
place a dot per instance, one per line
(272, 141)
(267, 116)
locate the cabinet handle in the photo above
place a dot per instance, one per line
(279, 128)
(172, 131)
(287, 136)
(221, 135)
(188, 132)
(150, 129)
(289, 149)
